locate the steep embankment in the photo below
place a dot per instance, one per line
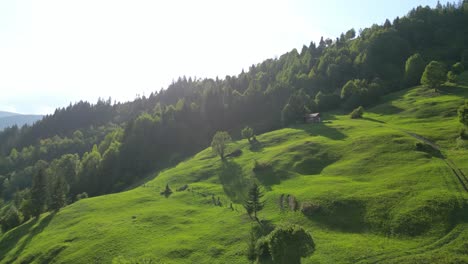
(374, 195)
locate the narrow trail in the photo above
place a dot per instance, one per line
(394, 256)
(457, 172)
(461, 178)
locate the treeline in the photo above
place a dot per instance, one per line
(112, 145)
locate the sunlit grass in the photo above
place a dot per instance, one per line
(381, 199)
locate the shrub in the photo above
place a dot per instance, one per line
(247, 133)
(11, 219)
(289, 243)
(81, 196)
(357, 113)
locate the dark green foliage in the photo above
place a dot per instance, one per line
(463, 113)
(457, 69)
(152, 132)
(251, 252)
(414, 69)
(26, 208)
(349, 89)
(22, 201)
(360, 92)
(89, 172)
(254, 202)
(464, 56)
(435, 74)
(167, 191)
(350, 34)
(247, 133)
(298, 105)
(357, 113)
(463, 133)
(326, 102)
(286, 244)
(10, 219)
(220, 142)
(39, 193)
(81, 196)
(58, 193)
(235, 153)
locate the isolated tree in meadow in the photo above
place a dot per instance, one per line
(435, 74)
(254, 202)
(247, 133)
(219, 143)
(38, 192)
(357, 113)
(288, 244)
(414, 69)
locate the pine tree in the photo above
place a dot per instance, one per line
(254, 202)
(38, 193)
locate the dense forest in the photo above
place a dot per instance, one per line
(93, 149)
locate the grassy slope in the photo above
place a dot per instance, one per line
(366, 175)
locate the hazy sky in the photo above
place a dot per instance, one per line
(53, 52)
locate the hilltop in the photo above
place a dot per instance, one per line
(8, 119)
(380, 198)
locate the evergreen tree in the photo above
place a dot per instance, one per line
(38, 192)
(59, 193)
(254, 202)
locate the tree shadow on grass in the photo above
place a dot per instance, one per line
(452, 90)
(27, 231)
(343, 215)
(320, 129)
(267, 175)
(373, 120)
(386, 109)
(256, 146)
(234, 184)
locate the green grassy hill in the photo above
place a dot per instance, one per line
(379, 196)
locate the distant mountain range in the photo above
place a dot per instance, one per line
(8, 119)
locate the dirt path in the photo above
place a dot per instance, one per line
(462, 179)
(449, 237)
